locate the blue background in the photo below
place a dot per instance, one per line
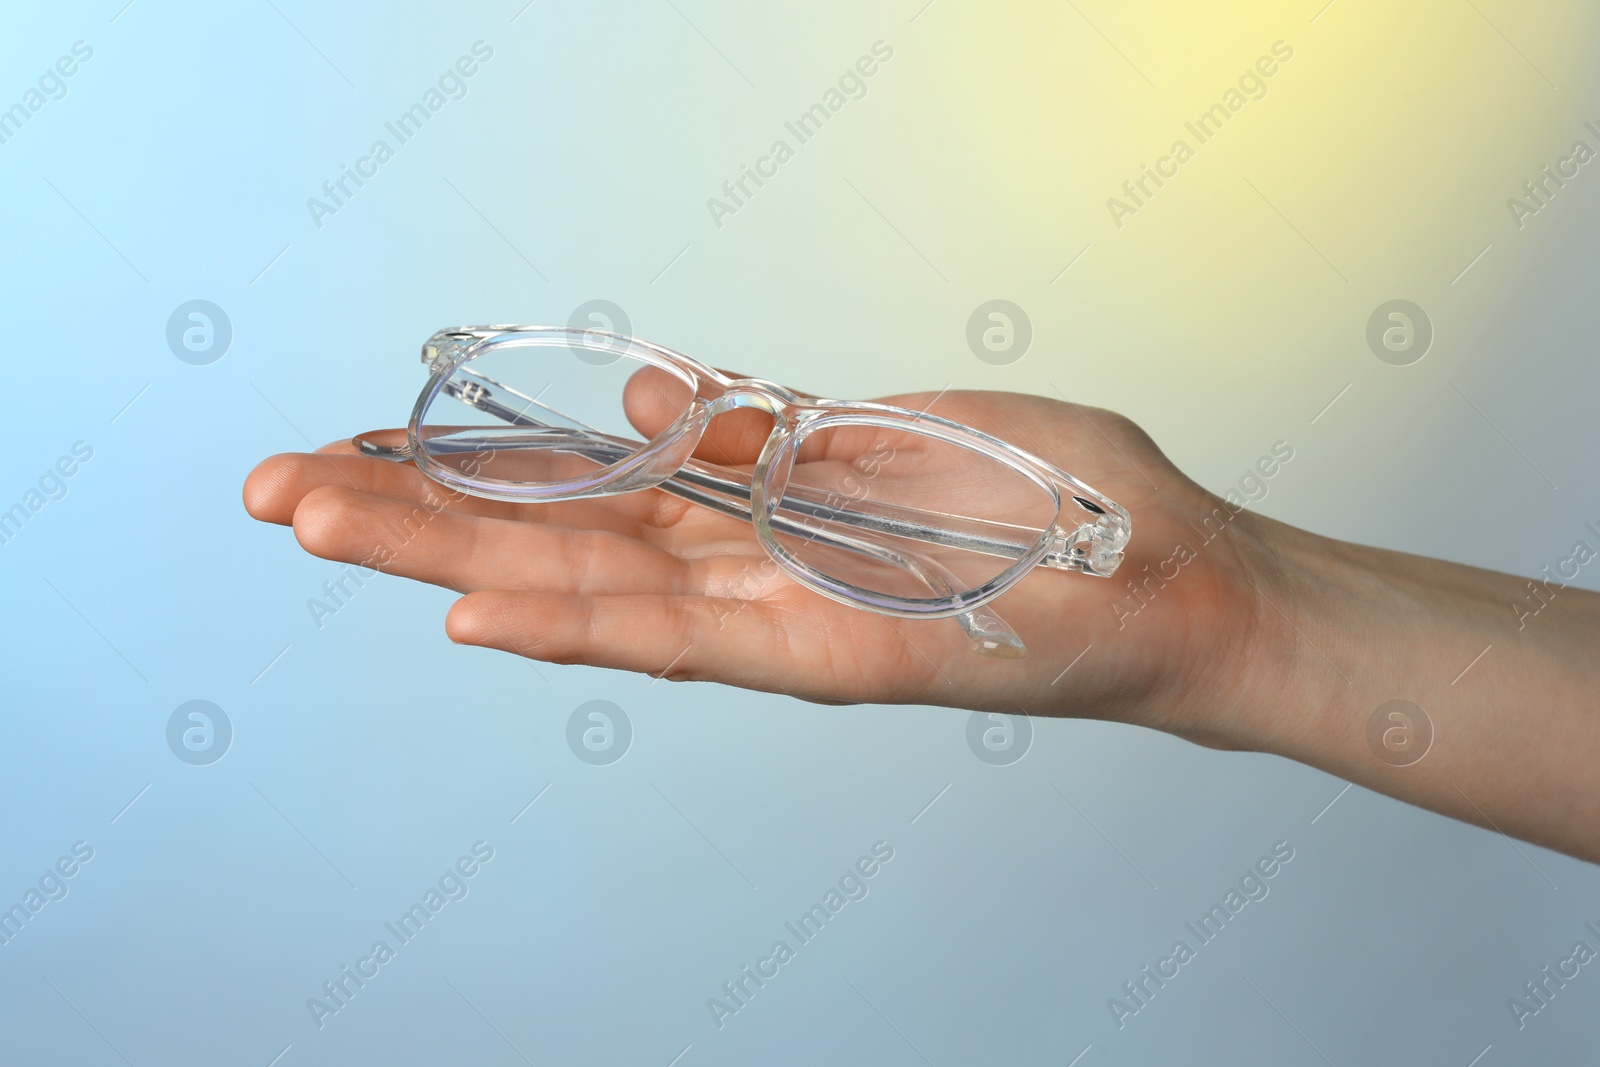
(369, 753)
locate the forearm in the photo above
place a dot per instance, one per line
(1508, 677)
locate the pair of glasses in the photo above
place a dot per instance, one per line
(883, 508)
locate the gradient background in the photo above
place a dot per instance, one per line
(370, 753)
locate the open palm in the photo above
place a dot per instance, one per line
(649, 582)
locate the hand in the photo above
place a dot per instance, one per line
(1223, 627)
(649, 582)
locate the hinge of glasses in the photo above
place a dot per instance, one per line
(437, 352)
(1089, 549)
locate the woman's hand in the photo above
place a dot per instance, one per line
(649, 582)
(1223, 627)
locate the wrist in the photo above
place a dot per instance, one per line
(1340, 631)
(1461, 690)
(1280, 649)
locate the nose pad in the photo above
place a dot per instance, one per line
(383, 444)
(661, 461)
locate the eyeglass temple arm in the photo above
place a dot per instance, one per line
(988, 632)
(1093, 547)
(1089, 548)
(728, 491)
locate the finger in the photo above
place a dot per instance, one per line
(735, 438)
(468, 552)
(276, 486)
(732, 439)
(653, 399)
(750, 644)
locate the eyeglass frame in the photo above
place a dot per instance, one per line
(1095, 547)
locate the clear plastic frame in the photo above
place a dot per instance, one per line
(887, 509)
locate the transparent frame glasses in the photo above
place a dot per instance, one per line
(1088, 532)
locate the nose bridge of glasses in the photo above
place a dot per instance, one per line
(759, 393)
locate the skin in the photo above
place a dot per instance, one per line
(1269, 639)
